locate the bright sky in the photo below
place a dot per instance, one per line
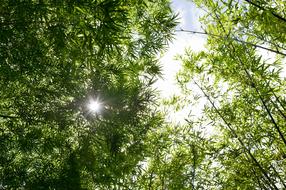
(188, 18)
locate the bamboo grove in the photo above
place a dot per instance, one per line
(244, 91)
(55, 56)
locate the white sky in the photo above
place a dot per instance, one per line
(188, 18)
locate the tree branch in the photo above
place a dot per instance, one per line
(238, 138)
(253, 85)
(232, 38)
(262, 8)
(277, 106)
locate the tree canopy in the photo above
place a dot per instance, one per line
(58, 57)
(244, 91)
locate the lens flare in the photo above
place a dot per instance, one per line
(94, 106)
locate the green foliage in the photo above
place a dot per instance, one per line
(243, 91)
(55, 56)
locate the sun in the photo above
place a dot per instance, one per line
(94, 106)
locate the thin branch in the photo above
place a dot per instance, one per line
(253, 85)
(262, 8)
(259, 146)
(194, 166)
(276, 45)
(260, 183)
(232, 38)
(150, 181)
(280, 111)
(237, 137)
(278, 175)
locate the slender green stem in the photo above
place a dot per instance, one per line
(262, 8)
(238, 138)
(232, 38)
